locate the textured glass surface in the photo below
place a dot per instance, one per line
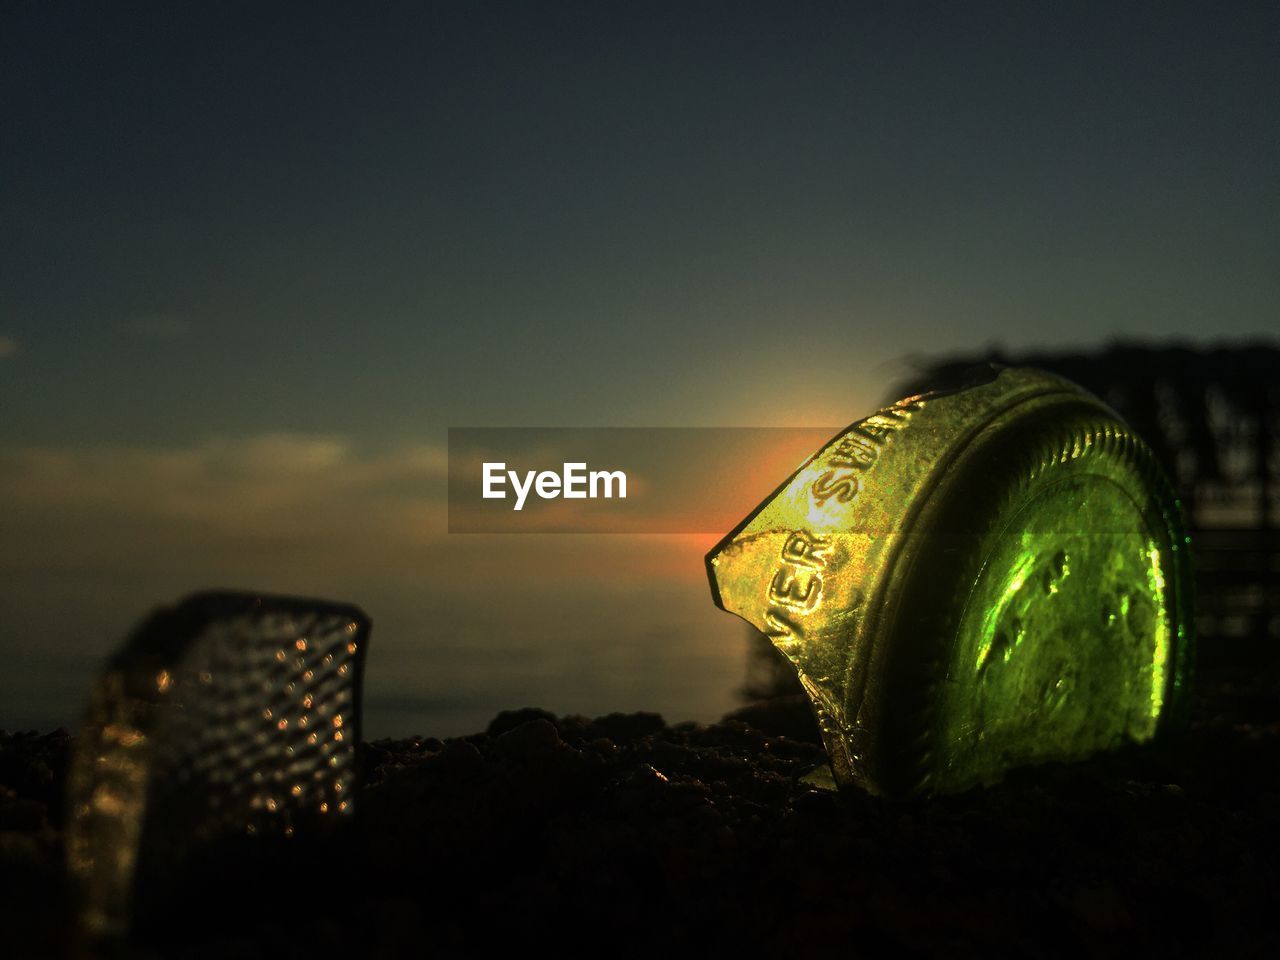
(228, 715)
(1064, 642)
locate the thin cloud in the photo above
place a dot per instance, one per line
(270, 507)
(267, 485)
(160, 326)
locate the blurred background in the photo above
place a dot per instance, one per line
(257, 261)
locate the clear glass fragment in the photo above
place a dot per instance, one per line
(228, 715)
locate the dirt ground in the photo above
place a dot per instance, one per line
(624, 836)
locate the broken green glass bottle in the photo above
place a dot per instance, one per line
(972, 581)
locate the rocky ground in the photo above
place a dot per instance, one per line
(623, 835)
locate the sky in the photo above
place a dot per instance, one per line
(257, 261)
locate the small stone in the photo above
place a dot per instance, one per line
(789, 716)
(460, 755)
(510, 719)
(538, 734)
(624, 727)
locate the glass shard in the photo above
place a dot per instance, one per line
(228, 715)
(967, 582)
